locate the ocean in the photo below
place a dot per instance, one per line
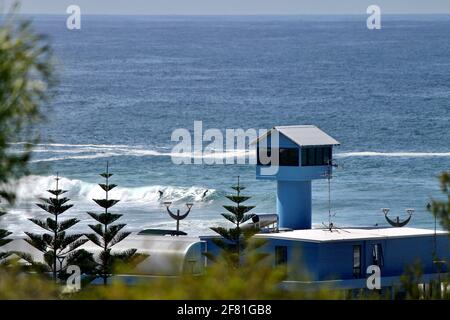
(127, 82)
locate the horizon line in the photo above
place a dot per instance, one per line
(235, 14)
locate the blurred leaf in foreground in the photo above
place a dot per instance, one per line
(26, 77)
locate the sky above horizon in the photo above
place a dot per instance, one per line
(225, 7)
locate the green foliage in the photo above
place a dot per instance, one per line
(236, 241)
(410, 281)
(253, 280)
(414, 287)
(4, 240)
(17, 285)
(412, 276)
(106, 234)
(26, 75)
(56, 243)
(26, 72)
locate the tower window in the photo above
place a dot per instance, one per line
(316, 156)
(288, 157)
(357, 261)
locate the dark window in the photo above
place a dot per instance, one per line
(287, 156)
(357, 261)
(312, 157)
(319, 156)
(280, 255)
(304, 157)
(316, 156)
(327, 155)
(377, 255)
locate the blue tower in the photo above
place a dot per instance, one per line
(294, 156)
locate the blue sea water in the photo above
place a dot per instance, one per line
(127, 82)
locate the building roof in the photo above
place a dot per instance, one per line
(349, 234)
(303, 135)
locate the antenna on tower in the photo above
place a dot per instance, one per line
(328, 175)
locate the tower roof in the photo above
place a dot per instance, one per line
(303, 135)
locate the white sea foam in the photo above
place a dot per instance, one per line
(90, 151)
(32, 187)
(64, 145)
(62, 152)
(392, 154)
(87, 156)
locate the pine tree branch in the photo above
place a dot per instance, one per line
(108, 187)
(71, 242)
(4, 242)
(247, 217)
(48, 239)
(105, 218)
(36, 241)
(229, 217)
(55, 201)
(119, 237)
(240, 210)
(57, 192)
(47, 207)
(75, 244)
(4, 234)
(67, 224)
(98, 229)
(62, 209)
(237, 199)
(94, 239)
(113, 230)
(106, 204)
(124, 256)
(49, 258)
(225, 233)
(51, 225)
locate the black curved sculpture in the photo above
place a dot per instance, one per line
(177, 216)
(397, 223)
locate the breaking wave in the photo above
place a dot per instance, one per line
(33, 187)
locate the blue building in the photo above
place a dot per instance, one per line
(339, 258)
(293, 156)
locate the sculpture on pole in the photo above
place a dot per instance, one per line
(397, 223)
(178, 216)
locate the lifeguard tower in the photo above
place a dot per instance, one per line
(304, 153)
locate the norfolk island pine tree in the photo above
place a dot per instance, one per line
(56, 244)
(107, 234)
(237, 241)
